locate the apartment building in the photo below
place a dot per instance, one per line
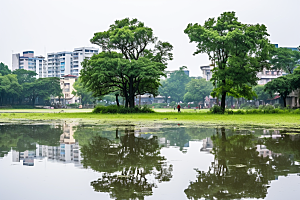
(66, 84)
(79, 54)
(59, 63)
(30, 62)
(67, 62)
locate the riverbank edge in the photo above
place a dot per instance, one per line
(284, 120)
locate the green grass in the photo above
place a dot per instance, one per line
(186, 117)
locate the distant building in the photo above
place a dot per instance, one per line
(30, 62)
(66, 84)
(78, 55)
(206, 72)
(59, 63)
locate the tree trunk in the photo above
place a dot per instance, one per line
(117, 133)
(117, 100)
(284, 101)
(223, 99)
(131, 93)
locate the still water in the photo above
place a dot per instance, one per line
(77, 161)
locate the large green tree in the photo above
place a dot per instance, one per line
(197, 90)
(285, 59)
(128, 65)
(238, 51)
(4, 70)
(175, 85)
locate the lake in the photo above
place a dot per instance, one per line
(165, 161)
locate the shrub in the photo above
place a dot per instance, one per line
(240, 112)
(173, 103)
(261, 107)
(229, 111)
(121, 109)
(216, 110)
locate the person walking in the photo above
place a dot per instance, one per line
(178, 107)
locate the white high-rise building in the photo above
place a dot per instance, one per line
(30, 62)
(79, 54)
(59, 63)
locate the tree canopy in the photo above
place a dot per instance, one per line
(128, 64)
(175, 85)
(285, 59)
(4, 70)
(284, 85)
(237, 50)
(80, 91)
(197, 90)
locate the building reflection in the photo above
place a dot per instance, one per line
(67, 151)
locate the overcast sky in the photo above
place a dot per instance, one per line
(62, 25)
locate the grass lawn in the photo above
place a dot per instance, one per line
(161, 116)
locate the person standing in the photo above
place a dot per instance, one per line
(178, 107)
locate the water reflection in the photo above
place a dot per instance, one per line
(131, 163)
(30, 142)
(244, 165)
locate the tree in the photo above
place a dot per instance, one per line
(175, 85)
(80, 91)
(238, 51)
(261, 93)
(42, 88)
(283, 86)
(4, 69)
(164, 89)
(25, 76)
(285, 59)
(9, 88)
(135, 70)
(197, 90)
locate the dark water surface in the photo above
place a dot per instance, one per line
(71, 161)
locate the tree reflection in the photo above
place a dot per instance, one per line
(238, 171)
(126, 164)
(25, 137)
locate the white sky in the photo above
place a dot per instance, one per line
(46, 26)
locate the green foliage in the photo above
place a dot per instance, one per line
(175, 86)
(4, 69)
(82, 92)
(197, 90)
(135, 70)
(25, 76)
(261, 93)
(283, 85)
(216, 110)
(42, 88)
(173, 103)
(121, 109)
(285, 59)
(238, 51)
(9, 87)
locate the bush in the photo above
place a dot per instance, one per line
(121, 109)
(216, 110)
(239, 112)
(229, 111)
